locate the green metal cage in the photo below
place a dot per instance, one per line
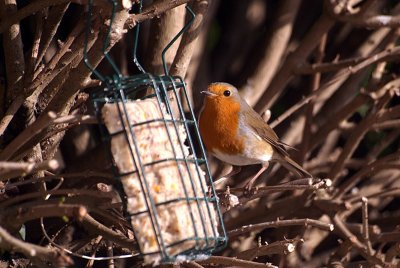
(123, 89)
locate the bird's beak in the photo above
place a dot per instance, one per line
(208, 93)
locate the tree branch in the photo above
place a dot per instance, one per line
(32, 251)
(152, 11)
(281, 223)
(189, 38)
(227, 261)
(286, 72)
(275, 47)
(13, 51)
(10, 170)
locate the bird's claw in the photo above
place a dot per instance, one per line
(249, 190)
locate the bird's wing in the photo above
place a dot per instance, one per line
(262, 129)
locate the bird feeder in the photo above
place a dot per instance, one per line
(169, 196)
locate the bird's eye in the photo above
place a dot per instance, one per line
(227, 93)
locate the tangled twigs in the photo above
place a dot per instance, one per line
(26, 135)
(279, 247)
(281, 223)
(152, 11)
(220, 260)
(355, 242)
(360, 17)
(14, 169)
(353, 65)
(32, 251)
(303, 184)
(232, 197)
(96, 227)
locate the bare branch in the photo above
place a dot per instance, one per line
(234, 262)
(189, 38)
(275, 47)
(365, 225)
(354, 65)
(281, 223)
(14, 169)
(355, 139)
(153, 11)
(96, 227)
(13, 51)
(50, 28)
(27, 134)
(278, 247)
(285, 73)
(33, 251)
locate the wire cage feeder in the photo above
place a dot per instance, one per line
(175, 215)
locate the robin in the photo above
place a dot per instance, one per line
(234, 133)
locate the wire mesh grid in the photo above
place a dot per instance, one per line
(200, 199)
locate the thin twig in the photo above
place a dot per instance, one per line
(354, 65)
(309, 111)
(34, 129)
(345, 232)
(292, 110)
(50, 28)
(355, 139)
(387, 124)
(391, 192)
(59, 192)
(365, 229)
(186, 47)
(30, 66)
(9, 114)
(278, 247)
(96, 227)
(13, 51)
(373, 22)
(312, 185)
(76, 119)
(392, 253)
(227, 261)
(33, 251)
(31, 180)
(333, 120)
(10, 170)
(153, 10)
(275, 47)
(110, 254)
(66, 46)
(285, 74)
(281, 223)
(38, 5)
(366, 170)
(96, 243)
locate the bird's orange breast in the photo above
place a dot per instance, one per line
(219, 124)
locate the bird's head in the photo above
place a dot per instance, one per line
(222, 93)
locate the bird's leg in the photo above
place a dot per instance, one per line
(235, 170)
(249, 184)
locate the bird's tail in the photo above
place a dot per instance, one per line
(291, 165)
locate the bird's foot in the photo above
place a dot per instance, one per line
(249, 190)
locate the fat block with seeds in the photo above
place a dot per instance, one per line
(165, 212)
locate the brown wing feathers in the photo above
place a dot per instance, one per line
(267, 133)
